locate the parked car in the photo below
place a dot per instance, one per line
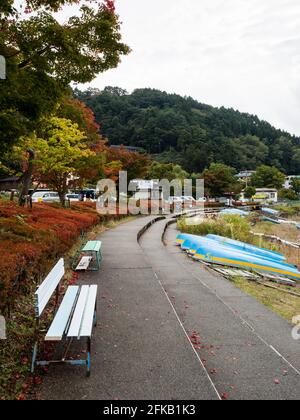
(45, 197)
(88, 194)
(173, 200)
(201, 200)
(73, 197)
(187, 198)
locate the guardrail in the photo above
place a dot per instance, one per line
(196, 212)
(148, 225)
(276, 239)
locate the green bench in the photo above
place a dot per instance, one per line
(89, 257)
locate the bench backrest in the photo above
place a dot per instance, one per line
(47, 288)
(94, 246)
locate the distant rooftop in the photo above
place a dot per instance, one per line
(128, 148)
(266, 189)
(245, 174)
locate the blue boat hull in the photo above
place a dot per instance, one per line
(248, 248)
(223, 256)
(192, 245)
(222, 253)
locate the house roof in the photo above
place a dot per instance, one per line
(266, 190)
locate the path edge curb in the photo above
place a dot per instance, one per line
(148, 225)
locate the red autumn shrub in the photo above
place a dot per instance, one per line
(31, 240)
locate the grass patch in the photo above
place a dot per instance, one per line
(286, 232)
(288, 211)
(285, 305)
(234, 227)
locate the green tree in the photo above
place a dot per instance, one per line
(295, 162)
(167, 171)
(44, 56)
(219, 179)
(296, 185)
(268, 177)
(59, 153)
(289, 194)
(249, 192)
(247, 152)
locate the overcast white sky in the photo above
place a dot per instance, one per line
(243, 54)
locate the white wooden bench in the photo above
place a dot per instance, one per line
(73, 319)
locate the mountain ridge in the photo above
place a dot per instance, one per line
(178, 129)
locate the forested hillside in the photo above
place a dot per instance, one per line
(182, 130)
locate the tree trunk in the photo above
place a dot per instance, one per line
(63, 191)
(27, 178)
(62, 199)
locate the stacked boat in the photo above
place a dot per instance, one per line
(228, 252)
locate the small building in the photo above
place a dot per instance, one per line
(146, 190)
(263, 195)
(149, 194)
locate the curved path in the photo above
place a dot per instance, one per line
(152, 299)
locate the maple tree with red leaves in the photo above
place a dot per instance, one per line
(110, 4)
(76, 111)
(136, 164)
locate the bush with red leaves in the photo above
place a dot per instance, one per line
(32, 240)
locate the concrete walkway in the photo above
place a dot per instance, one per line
(248, 350)
(139, 349)
(151, 299)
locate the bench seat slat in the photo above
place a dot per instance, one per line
(62, 317)
(88, 318)
(84, 263)
(74, 330)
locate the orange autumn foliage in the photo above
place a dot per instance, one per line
(32, 240)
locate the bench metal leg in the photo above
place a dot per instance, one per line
(88, 359)
(95, 317)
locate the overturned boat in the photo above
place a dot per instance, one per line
(234, 212)
(192, 245)
(236, 254)
(248, 248)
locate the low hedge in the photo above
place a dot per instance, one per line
(30, 240)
